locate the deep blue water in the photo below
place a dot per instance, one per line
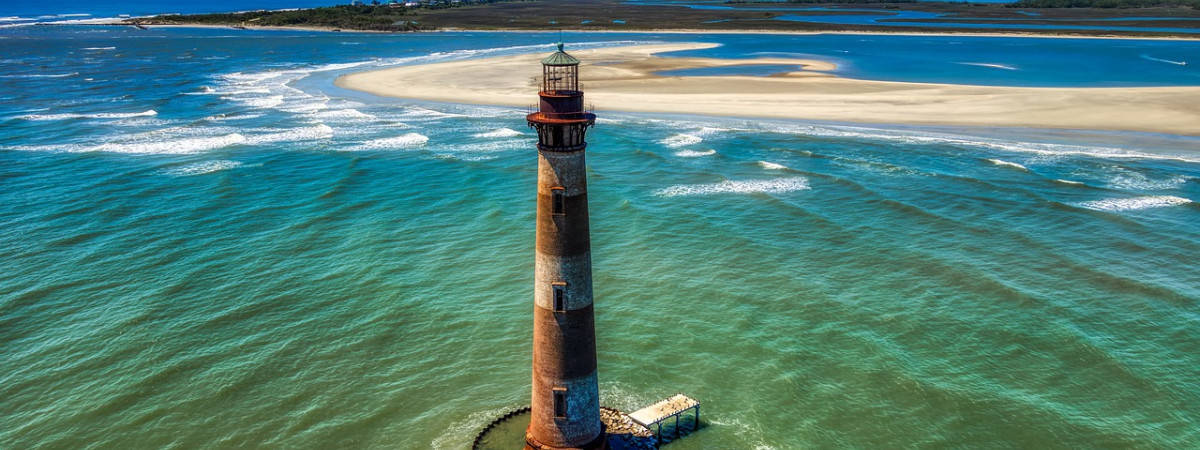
(203, 242)
(1005, 61)
(898, 19)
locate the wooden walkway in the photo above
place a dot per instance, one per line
(673, 406)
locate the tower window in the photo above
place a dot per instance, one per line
(558, 200)
(560, 403)
(560, 296)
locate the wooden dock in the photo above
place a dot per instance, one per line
(671, 407)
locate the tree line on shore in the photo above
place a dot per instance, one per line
(370, 17)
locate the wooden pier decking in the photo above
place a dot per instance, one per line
(673, 406)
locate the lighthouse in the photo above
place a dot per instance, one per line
(565, 406)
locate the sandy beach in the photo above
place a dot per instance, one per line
(624, 79)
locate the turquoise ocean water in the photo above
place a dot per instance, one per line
(204, 243)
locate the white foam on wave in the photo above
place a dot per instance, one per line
(1070, 182)
(771, 165)
(418, 114)
(1151, 58)
(695, 153)
(167, 147)
(692, 128)
(149, 113)
(710, 131)
(919, 137)
(776, 186)
(204, 167)
(261, 102)
(224, 117)
(1131, 180)
(98, 48)
(271, 89)
(409, 140)
(234, 93)
(1003, 163)
(253, 78)
(989, 65)
(319, 131)
(1132, 204)
(467, 157)
(480, 112)
(304, 104)
(63, 16)
(344, 114)
(680, 140)
(483, 147)
(143, 121)
(42, 75)
(499, 133)
(609, 121)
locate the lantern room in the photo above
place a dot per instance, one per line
(560, 73)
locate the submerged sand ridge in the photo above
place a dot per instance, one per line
(624, 79)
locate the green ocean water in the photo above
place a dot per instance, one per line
(227, 251)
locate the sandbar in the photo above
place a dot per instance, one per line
(625, 79)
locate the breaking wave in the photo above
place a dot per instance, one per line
(409, 140)
(680, 140)
(39, 75)
(203, 167)
(320, 131)
(1137, 181)
(1003, 163)
(149, 113)
(1132, 204)
(777, 186)
(695, 153)
(919, 137)
(771, 165)
(1168, 61)
(990, 65)
(499, 133)
(261, 102)
(462, 150)
(346, 114)
(168, 147)
(418, 114)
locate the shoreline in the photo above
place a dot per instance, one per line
(1016, 34)
(626, 82)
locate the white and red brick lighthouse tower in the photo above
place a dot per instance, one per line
(566, 392)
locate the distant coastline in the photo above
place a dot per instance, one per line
(686, 31)
(938, 18)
